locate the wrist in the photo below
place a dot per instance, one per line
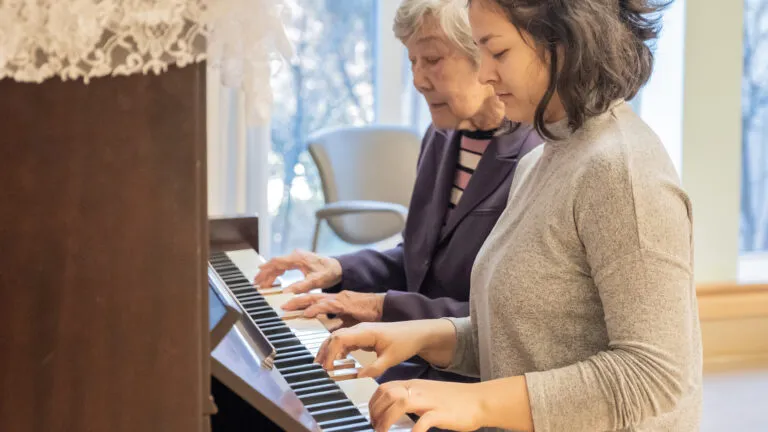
(379, 306)
(437, 341)
(503, 403)
(336, 270)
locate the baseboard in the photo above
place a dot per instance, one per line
(734, 323)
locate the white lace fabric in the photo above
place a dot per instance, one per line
(87, 39)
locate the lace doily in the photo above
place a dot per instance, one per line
(86, 39)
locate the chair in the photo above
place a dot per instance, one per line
(367, 176)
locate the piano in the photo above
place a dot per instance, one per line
(264, 377)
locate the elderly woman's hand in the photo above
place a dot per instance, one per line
(319, 271)
(350, 306)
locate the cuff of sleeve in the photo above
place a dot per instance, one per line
(537, 385)
(393, 309)
(460, 361)
(348, 275)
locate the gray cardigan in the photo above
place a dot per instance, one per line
(585, 285)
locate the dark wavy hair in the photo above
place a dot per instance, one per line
(604, 47)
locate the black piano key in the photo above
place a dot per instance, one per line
(336, 424)
(295, 361)
(291, 352)
(329, 385)
(252, 301)
(243, 290)
(278, 333)
(262, 315)
(304, 375)
(266, 313)
(260, 310)
(272, 327)
(300, 368)
(326, 405)
(267, 320)
(280, 337)
(287, 343)
(229, 273)
(251, 296)
(242, 284)
(275, 332)
(310, 383)
(326, 396)
(361, 426)
(336, 412)
(257, 307)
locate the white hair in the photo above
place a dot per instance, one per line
(451, 15)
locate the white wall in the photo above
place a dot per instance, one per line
(712, 133)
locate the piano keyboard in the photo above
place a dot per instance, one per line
(336, 399)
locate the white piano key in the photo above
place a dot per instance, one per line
(248, 261)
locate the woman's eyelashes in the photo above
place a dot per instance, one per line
(499, 54)
(432, 60)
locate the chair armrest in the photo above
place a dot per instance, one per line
(340, 208)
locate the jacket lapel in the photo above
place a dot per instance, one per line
(434, 195)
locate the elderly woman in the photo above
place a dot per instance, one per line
(462, 185)
(583, 307)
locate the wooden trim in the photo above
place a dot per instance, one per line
(731, 301)
(734, 322)
(729, 288)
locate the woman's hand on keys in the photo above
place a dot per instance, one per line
(319, 271)
(434, 340)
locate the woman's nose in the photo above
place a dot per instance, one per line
(421, 81)
(487, 73)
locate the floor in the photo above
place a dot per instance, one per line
(736, 402)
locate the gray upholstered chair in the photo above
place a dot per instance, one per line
(367, 175)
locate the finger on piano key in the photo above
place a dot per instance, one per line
(268, 292)
(360, 391)
(290, 315)
(342, 374)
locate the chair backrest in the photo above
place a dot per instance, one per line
(376, 163)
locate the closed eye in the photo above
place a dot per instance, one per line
(432, 60)
(499, 55)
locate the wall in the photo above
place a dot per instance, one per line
(712, 133)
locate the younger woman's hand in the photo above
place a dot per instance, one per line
(444, 405)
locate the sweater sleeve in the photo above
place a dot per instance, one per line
(635, 225)
(465, 356)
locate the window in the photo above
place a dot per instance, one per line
(330, 82)
(754, 175)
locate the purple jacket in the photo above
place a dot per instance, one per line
(427, 275)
